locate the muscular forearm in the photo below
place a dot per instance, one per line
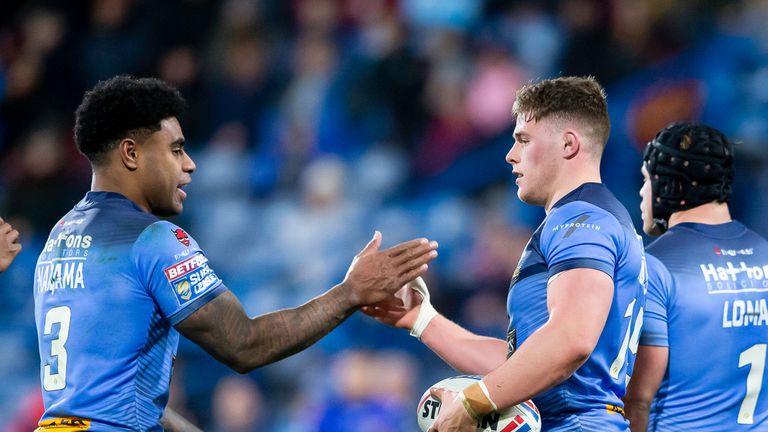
(463, 350)
(223, 328)
(637, 413)
(578, 301)
(282, 333)
(546, 359)
(173, 422)
(650, 367)
(242, 343)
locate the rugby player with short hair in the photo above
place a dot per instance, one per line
(115, 284)
(9, 244)
(575, 299)
(701, 361)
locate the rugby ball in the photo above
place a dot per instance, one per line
(519, 418)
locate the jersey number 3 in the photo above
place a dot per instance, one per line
(58, 315)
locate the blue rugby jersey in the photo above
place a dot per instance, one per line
(708, 303)
(110, 284)
(588, 228)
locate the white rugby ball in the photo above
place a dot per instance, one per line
(519, 418)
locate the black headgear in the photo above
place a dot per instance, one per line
(688, 165)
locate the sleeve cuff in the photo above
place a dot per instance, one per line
(654, 340)
(575, 263)
(199, 302)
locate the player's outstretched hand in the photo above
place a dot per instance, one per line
(402, 309)
(375, 275)
(453, 417)
(9, 244)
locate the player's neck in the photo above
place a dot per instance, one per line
(569, 181)
(713, 213)
(104, 181)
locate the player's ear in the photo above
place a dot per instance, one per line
(128, 151)
(571, 144)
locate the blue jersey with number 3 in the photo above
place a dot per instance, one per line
(110, 283)
(708, 303)
(587, 228)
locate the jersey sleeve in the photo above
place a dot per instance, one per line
(654, 332)
(581, 235)
(174, 270)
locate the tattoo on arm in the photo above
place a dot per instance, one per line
(224, 330)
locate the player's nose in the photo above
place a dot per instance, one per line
(511, 157)
(188, 165)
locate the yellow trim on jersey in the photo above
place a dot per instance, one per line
(614, 409)
(69, 424)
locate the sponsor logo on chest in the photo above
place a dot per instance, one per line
(732, 278)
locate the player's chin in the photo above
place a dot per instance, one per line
(172, 209)
(650, 227)
(527, 197)
(647, 227)
(178, 207)
(521, 194)
(653, 229)
(178, 199)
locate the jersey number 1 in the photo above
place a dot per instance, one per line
(755, 356)
(58, 315)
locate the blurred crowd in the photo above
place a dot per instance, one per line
(314, 122)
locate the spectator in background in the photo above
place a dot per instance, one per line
(9, 244)
(372, 393)
(238, 406)
(43, 176)
(119, 40)
(241, 90)
(387, 75)
(30, 70)
(180, 66)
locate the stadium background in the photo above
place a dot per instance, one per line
(314, 122)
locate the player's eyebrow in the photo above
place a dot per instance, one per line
(178, 142)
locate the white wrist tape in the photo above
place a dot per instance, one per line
(488, 395)
(427, 311)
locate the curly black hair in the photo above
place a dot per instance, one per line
(119, 107)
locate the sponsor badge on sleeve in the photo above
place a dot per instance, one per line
(191, 277)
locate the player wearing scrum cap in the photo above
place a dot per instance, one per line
(574, 301)
(701, 361)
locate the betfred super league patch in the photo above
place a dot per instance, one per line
(191, 278)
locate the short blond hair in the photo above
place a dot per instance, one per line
(570, 98)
